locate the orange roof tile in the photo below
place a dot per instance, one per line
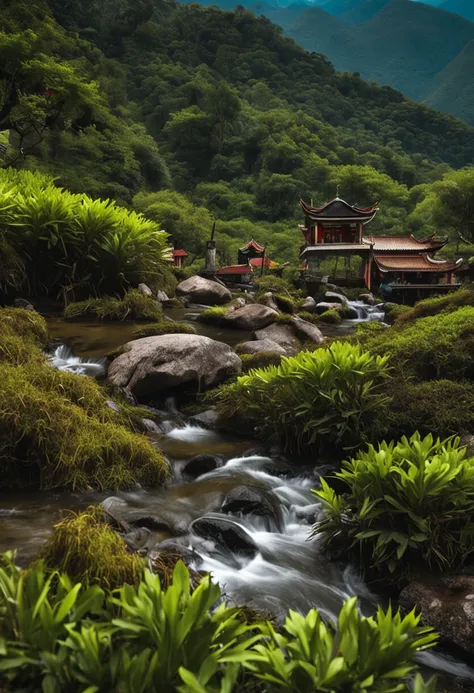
(404, 243)
(253, 244)
(414, 263)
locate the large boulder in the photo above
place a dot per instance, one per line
(333, 297)
(251, 317)
(259, 345)
(283, 335)
(307, 331)
(227, 535)
(244, 500)
(155, 364)
(145, 290)
(268, 300)
(201, 464)
(205, 291)
(368, 299)
(447, 605)
(309, 305)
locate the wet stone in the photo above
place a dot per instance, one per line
(252, 501)
(226, 534)
(201, 464)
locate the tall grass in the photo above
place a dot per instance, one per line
(64, 244)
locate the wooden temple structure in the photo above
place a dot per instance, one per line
(401, 266)
(252, 259)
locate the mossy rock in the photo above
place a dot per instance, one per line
(345, 312)
(165, 327)
(173, 303)
(132, 306)
(284, 303)
(395, 311)
(58, 429)
(21, 333)
(309, 317)
(331, 317)
(262, 359)
(435, 306)
(84, 546)
(214, 316)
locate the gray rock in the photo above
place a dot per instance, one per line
(172, 546)
(206, 419)
(204, 291)
(226, 534)
(251, 317)
(259, 345)
(367, 298)
(161, 296)
(307, 331)
(447, 605)
(467, 439)
(151, 426)
(156, 364)
(324, 306)
(309, 305)
(333, 297)
(253, 501)
(22, 303)
(283, 335)
(269, 301)
(145, 290)
(235, 304)
(201, 464)
(111, 404)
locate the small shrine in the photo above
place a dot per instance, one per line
(179, 256)
(251, 256)
(399, 265)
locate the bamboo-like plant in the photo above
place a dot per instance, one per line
(325, 397)
(409, 506)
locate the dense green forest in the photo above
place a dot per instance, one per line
(189, 114)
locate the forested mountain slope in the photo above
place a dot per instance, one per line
(191, 113)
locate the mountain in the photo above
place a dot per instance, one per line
(454, 90)
(463, 7)
(363, 10)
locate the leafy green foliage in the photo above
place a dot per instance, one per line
(408, 507)
(132, 306)
(57, 636)
(72, 244)
(313, 399)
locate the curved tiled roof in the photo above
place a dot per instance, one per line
(414, 263)
(235, 269)
(339, 209)
(179, 253)
(252, 244)
(404, 243)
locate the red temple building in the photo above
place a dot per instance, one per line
(250, 257)
(402, 265)
(179, 256)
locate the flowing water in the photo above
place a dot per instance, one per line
(286, 569)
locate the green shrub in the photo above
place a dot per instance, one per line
(439, 346)
(441, 304)
(213, 316)
(260, 360)
(331, 317)
(409, 507)
(133, 306)
(69, 243)
(165, 327)
(85, 547)
(57, 636)
(324, 397)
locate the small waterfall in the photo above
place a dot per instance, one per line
(63, 359)
(366, 313)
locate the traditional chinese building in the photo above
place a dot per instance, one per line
(179, 256)
(250, 257)
(235, 274)
(403, 263)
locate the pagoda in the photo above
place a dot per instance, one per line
(251, 256)
(402, 265)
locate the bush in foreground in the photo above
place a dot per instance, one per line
(314, 399)
(435, 306)
(57, 636)
(408, 508)
(132, 306)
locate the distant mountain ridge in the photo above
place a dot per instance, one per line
(419, 49)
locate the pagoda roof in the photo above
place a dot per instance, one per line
(257, 262)
(339, 209)
(252, 244)
(235, 269)
(180, 253)
(414, 263)
(405, 243)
